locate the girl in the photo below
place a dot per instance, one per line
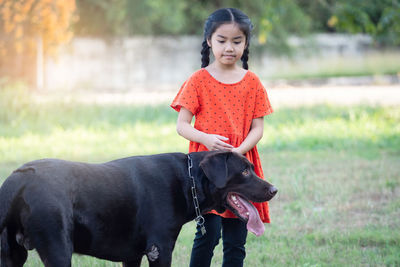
(229, 103)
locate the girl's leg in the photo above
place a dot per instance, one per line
(203, 246)
(234, 234)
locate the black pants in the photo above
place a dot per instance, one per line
(234, 233)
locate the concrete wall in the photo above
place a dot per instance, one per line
(159, 63)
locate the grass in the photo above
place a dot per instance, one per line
(369, 64)
(337, 169)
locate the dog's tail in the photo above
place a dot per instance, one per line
(8, 192)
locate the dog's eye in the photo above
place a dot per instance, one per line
(246, 172)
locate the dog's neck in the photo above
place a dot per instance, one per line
(200, 182)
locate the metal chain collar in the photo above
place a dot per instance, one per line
(199, 218)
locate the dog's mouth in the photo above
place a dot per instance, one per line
(247, 212)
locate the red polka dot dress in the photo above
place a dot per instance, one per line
(227, 110)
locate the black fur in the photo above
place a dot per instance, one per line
(118, 211)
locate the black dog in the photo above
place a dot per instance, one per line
(123, 209)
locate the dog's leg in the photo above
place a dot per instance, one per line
(161, 262)
(159, 257)
(12, 254)
(55, 251)
(132, 263)
(51, 237)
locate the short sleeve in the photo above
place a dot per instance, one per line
(187, 97)
(262, 105)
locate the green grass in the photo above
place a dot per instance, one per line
(337, 169)
(369, 64)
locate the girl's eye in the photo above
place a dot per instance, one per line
(221, 42)
(237, 43)
(246, 172)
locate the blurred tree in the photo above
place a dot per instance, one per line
(157, 17)
(27, 26)
(319, 11)
(101, 18)
(379, 18)
(274, 20)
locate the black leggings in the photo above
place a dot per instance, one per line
(234, 233)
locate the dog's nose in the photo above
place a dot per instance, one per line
(273, 190)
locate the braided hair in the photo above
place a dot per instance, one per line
(223, 16)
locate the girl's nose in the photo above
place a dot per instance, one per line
(229, 47)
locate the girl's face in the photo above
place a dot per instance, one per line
(227, 43)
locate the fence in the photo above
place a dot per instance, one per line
(159, 63)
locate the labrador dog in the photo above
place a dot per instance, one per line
(123, 209)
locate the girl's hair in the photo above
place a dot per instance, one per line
(224, 16)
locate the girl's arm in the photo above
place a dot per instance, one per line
(185, 129)
(255, 135)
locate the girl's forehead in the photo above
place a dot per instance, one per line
(229, 30)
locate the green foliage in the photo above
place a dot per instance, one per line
(319, 13)
(275, 20)
(379, 18)
(101, 17)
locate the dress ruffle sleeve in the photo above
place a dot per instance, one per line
(187, 97)
(262, 105)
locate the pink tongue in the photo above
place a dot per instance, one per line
(254, 224)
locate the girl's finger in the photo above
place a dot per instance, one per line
(222, 137)
(226, 148)
(225, 145)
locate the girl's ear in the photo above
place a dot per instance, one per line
(209, 42)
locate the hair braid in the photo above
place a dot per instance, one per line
(205, 54)
(245, 58)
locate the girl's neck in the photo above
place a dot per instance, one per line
(226, 74)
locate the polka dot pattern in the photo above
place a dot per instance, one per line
(227, 110)
(223, 108)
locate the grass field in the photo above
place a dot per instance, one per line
(369, 64)
(337, 169)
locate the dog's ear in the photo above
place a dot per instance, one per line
(215, 168)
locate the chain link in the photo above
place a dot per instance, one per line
(199, 218)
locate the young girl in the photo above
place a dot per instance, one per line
(229, 103)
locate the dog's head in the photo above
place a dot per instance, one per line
(236, 184)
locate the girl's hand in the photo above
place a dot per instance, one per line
(216, 142)
(237, 150)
